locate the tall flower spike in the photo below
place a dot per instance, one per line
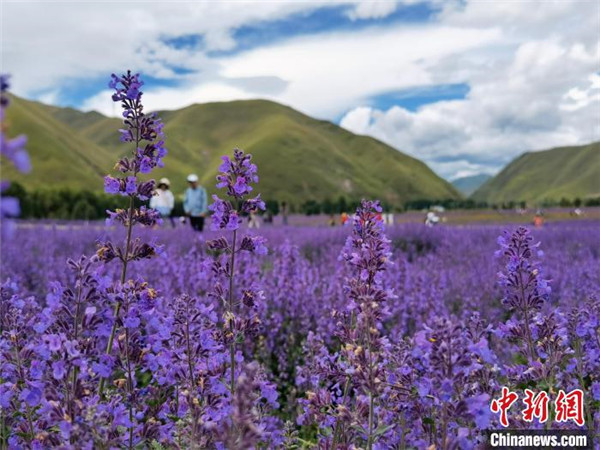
(240, 318)
(524, 286)
(145, 132)
(353, 386)
(525, 290)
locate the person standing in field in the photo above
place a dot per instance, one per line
(253, 221)
(163, 200)
(389, 218)
(538, 219)
(284, 212)
(195, 203)
(344, 218)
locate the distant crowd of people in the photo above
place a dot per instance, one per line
(344, 218)
(195, 207)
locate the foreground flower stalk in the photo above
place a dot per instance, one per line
(525, 291)
(237, 176)
(367, 254)
(145, 132)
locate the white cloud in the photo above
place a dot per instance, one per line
(328, 74)
(319, 75)
(44, 43)
(167, 99)
(538, 89)
(373, 10)
(577, 98)
(358, 120)
(462, 168)
(49, 97)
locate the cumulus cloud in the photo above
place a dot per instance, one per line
(371, 10)
(534, 91)
(44, 43)
(328, 74)
(168, 98)
(319, 75)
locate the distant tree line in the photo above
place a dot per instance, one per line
(563, 203)
(63, 203)
(67, 204)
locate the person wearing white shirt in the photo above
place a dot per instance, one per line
(163, 200)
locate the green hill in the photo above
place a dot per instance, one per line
(60, 156)
(299, 158)
(468, 185)
(565, 172)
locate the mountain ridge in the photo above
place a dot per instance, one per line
(549, 175)
(299, 158)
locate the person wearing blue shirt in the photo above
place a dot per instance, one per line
(195, 203)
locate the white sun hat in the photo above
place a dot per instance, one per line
(192, 178)
(164, 181)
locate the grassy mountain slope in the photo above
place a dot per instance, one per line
(299, 158)
(60, 156)
(468, 185)
(568, 172)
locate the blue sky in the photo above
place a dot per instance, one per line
(462, 85)
(322, 20)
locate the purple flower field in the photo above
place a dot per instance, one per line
(291, 337)
(442, 282)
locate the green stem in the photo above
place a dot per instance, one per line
(113, 331)
(338, 424)
(129, 387)
(372, 383)
(371, 413)
(530, 345)
(126, 256)
(76, 336)
(232, 317)
(444, 429)
(403, 436)
(27, 407)
(191, 394)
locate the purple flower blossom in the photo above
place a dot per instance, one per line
(237, 175)
(58, 370)
(130, 185)
(112, 185)
(10, 207)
